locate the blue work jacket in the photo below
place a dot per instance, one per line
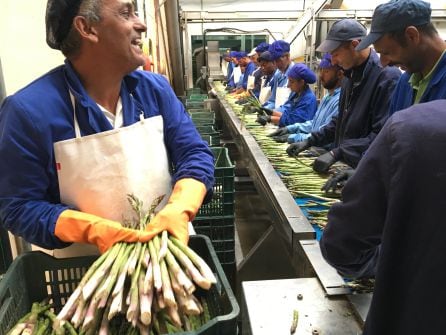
(326, 110)
(363, 110)
(298, 108)
(258, 75)
(40, 114)
(390, 223)
(248, 71)
(279, 80)
(436, 89)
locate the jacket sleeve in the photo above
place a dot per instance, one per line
(351, 150)
(302, 111)
(326, 134)
(352, 237)
(28, 206)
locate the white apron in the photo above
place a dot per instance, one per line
(251, 82)
(96, 172)
(237, 73)
(282, 94)
(265, 94)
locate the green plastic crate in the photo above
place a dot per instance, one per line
(194, 104)
(198, 97)
(212, 140)
(199, 110)
(195, 90)
(222, 203)
(221, 231)
(35, 276)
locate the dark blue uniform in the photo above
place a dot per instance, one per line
(363, 110)
(391, 223)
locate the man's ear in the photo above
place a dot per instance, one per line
(412, 35)
(85, 29)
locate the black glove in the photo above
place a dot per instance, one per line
(267, 111)
(241, 101)
(296, 148)
(229, 88)
(279, 132)
(323, 162)
(263, 119)
(337, 180)
(281, 138)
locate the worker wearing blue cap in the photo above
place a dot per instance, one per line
(330, 77)
(301, 104)
(269, 70)
(363, 105)
(249, 67)
(403, 34)
(280, 52)
(257, 74)
(82, 137)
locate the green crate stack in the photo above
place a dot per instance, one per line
(209, 130)
(216, 218)
(212, 141)
(191, 91)
(194, 103)
(197, 97)
(36, 276)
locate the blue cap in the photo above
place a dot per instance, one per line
(342, 31)
(233, 54)
(262, 47)
(396, 15)
(241, 54)
(279, 48)
(266, 56)
(326, 62)
(301, 71)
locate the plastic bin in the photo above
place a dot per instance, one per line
(198, 97)
(212, 140)
(5, 249)
(35, 276)
(221, 232)
(195, 90)
(222, 203)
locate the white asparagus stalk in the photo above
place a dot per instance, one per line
(104, 328)
(90, 314)
(70, 306)
(18, 329)
(196, 259)
(188, 305)
(179, 274)
(143, 329)
(169, 297)
(145, 302)
(174, 316)
(163, 245)
(132, 311)
(190, 267)
(176, 287)
(146, 259)
(79, 315)
(157, 282)
(134, 257)
(148, 280)
(100, 273)
(160, 300)
(116, 305)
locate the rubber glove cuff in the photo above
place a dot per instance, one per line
(184, 203)
(75, 226)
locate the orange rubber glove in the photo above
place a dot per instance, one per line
(184, 203)
(76, 226)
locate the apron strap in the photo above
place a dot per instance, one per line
(77, 130)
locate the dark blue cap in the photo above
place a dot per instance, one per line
(342, 31)
(262, 47)
(396, 15)
(241, 54)
(279, 48)
(233, 54)
(301, 71)
(266, 56)
(58, 20)
(326, 62)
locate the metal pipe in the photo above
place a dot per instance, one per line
(173, 33)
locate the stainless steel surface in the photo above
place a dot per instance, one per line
(268, 309)
(332, 282)
(290, 225)
(361, 304)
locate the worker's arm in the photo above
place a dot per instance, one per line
(352, 237)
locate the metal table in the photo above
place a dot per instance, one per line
(268, 309)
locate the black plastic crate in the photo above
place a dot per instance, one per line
(222, 203)
(35, 276)
(5, 249)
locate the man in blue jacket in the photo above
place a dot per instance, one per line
(404, 36)
(331, 77)
(365, 96)
(390, 224)
(81, 138)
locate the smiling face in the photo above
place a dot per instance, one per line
(119, 34)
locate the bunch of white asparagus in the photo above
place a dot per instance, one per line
(148, 287)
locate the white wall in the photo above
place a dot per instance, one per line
(23, 50)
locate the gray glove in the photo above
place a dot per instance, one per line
(338, 180)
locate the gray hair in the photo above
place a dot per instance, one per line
(90, 10)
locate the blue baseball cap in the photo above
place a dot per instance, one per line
(233, 54)
(342, 31)
(301, 71)
(262, 47)
(396, 15)
(325, 62)
(242, 54)
(279, 48)
(266, 56)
